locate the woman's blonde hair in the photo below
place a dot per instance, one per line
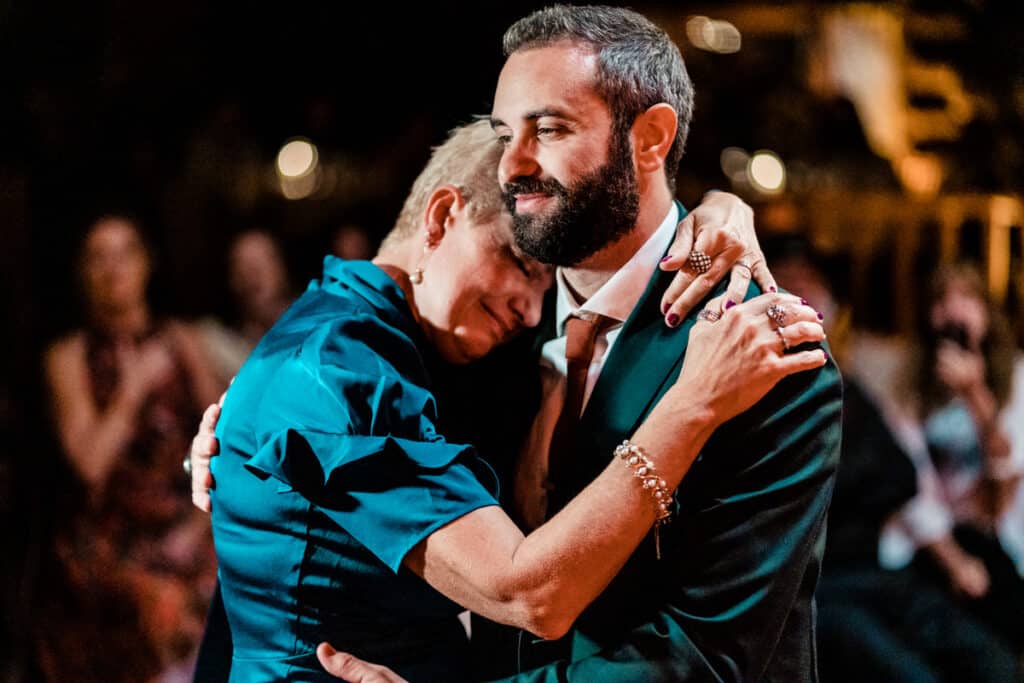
(468, 159)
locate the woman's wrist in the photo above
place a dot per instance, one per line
(692, 407)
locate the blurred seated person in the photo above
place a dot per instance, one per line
(875, 623)
(260, 290)
(1010, 526)
(352, 242)
(963, 381)
(133, 562)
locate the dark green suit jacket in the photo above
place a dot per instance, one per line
(732, 597)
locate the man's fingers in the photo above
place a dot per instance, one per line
(352, 669)
(201, 500)
(210, 417)
(204, 445)
(202, 479)
(338, 664)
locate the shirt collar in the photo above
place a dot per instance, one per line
(617, 297)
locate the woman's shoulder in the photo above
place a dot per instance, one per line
(65, 349)
(357, 336)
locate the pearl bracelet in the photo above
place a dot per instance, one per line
(643, 469)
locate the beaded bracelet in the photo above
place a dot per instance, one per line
(643, 469)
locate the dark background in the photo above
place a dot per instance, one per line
(174, 111)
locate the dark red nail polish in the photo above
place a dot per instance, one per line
(825, 354)
(729, 304)
(665, 258)
(820, 316)
(803, 302)
(772, 289)
(673, 320)
(664, 308)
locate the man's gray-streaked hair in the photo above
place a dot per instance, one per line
(468, 159)
(638, 64)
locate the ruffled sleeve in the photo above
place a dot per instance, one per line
(356, 438)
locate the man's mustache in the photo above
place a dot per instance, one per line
(531, 186)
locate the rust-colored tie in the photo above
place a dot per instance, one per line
(581, 332)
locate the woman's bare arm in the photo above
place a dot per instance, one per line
(92, 439)
(543, 581)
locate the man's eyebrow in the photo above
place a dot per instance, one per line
(534, 115)
(548, 111)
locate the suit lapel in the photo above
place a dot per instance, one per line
(641, 362)
(645, 358)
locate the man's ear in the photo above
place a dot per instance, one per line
(442, 206)
(653, 133)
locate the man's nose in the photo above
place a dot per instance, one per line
(518, 160)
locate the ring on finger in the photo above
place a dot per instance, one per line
(778, 314)
(187, 465)
(710, 315)
(782, 336)
(699, 262)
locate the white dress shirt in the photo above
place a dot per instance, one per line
(616, 299)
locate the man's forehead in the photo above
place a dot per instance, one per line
(556, 80)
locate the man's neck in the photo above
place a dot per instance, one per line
(588, 277)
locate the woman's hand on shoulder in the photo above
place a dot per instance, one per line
(722, 229)
(735, 357)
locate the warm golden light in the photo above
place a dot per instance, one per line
(297, 158)
(767, 172)
(734, 162)
(713, 35)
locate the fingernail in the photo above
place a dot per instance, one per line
(664, 308)
(772, 289)
(825, 353)
(672, 320)
(729, 304)
(665, 258)
(803, 302)
(820, 316)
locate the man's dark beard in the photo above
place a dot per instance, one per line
(592, 213)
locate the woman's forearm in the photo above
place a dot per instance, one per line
(95, 450)
(984, 409)
(92, 438)
(543, 581)
(565, 564)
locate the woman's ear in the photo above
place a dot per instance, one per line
(443, 205)
(654, 131)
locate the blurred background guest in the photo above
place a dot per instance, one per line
(964, 380)
(260, 291)
(879, 623)
(891, 133)
(133, 565)
(352, 242)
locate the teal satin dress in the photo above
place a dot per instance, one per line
(330, 471)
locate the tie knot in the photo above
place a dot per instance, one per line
(581, 330)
